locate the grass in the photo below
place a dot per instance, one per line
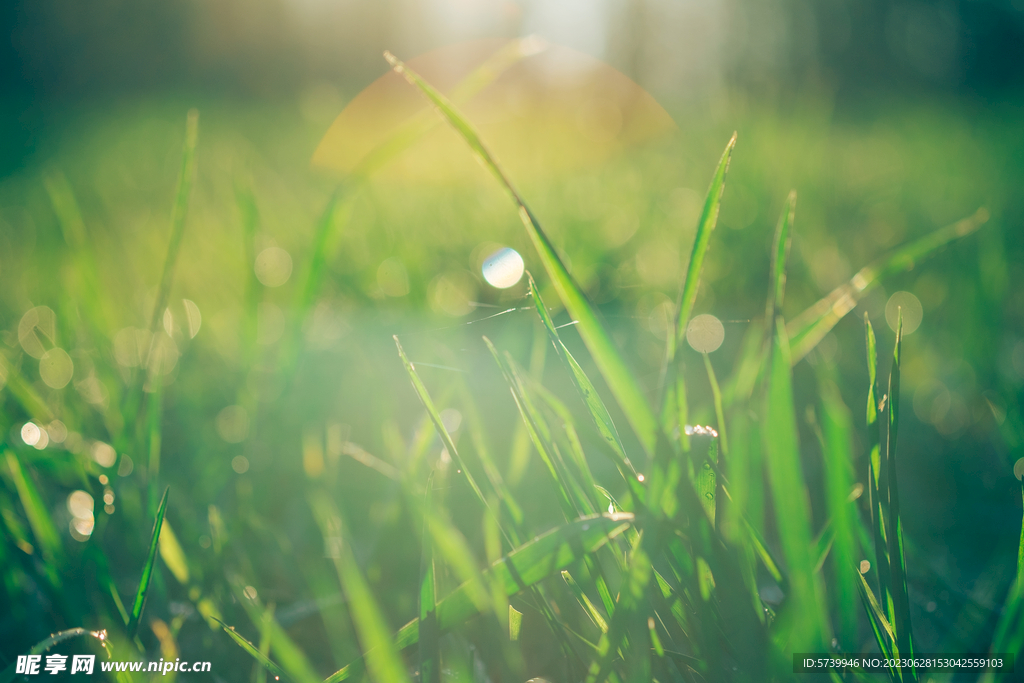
(635, 547)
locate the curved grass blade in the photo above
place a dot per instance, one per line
(897, 558)
(253, 651)
(524, 567)
(24, 392)
(608, 359)
(808, 328)
(147, 569)
(382, 657)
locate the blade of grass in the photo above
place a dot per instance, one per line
(780, 253)
(705, 226)
(591, 399)
(429, 650)
(716, 395)
(147, 568)
(880, 626)
(897, 558)
(442, 431)
(878, 490)
(608, 359)
(837, 433)
(254, 652)
(266, 635)
(792, 507)
(38, 516)
(673, 400)
(550, 552)
(382, 657)
(585, 603)
(811, 326)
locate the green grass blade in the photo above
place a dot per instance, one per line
(706, 225)
(515, 623)
(792, 507)
(293, 660)
(837, 433)
(538, 430)
(716, 395)
(588, 607)
(266, 636)
(780, 253)
(38, 516)
(608, 359)
(550, 552)
(435, 418)
(186, 179)
(598, 411)
(880, 626)
(811, 326)
(382, 656)
(254, 652)
(147, 569)
(897, 558)
(878, 490)
(429, 649)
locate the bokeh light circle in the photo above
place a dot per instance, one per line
(1018, 468)
(910, 305)
(273, 267)
(504, 268)
(705, 333)
(56, 368)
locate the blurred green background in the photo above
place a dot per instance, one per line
(890, 119)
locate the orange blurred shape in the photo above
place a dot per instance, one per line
(541, 109)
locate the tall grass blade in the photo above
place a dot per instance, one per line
(701, 241)
(792, 507)
(608, 359)
(186, 179)
(526, 566)
(897, 558)
(435, 418)
(598, 411)
(382, 658)
(254, 652)
(147, 569)
(811, 326)
(878, 489)
(780, 253)
(837, 437)
(429, 649)
(674, 399)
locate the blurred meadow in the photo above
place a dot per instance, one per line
(216, 223)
